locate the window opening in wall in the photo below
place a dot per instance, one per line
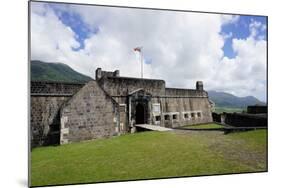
(186, 116)
(157, 118)
(199, 114)
(175, 116)
(167, 117)
(193, 115)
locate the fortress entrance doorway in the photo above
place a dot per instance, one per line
(140, 114)
(139, 107)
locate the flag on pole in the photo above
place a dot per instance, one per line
(137, 49)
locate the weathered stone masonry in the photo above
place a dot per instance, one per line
(46, 101)
(89, 114)
(111, 105)
(167, 107)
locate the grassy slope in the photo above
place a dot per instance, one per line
(149, 155)
(204, 126)
(228, 109)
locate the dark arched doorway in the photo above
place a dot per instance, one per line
(140, 114)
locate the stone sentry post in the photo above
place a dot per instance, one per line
(199, 86)
(100, 73)
(116, 73)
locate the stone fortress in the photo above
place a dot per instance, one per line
(111, 105)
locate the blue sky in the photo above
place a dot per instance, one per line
(76, 23)
(179, 48)
(240, 30)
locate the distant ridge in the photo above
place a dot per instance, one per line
(223, 99)
(43, 71)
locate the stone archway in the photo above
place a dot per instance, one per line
(139, 107)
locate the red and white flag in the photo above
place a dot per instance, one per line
(137, 49)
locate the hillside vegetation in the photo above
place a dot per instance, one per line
(223, 99)
(41, 71)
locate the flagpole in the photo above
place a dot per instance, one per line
(139, 49)
(141, 58)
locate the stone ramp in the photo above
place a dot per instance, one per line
(153, 127)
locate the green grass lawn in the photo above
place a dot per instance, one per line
(149, 155)
(227, 109)
(204, 126)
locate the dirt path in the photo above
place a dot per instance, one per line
(231, 148)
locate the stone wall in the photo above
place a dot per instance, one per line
(183, 106)
(122, 86)
(245, 120)
(54, 88)
(257, 109)
(100, 73)
(45, 119)
(179, 111)
(91, 113)
(46, 99)
(123, 121)
(217, 117)
(185, 92)
(72, 112)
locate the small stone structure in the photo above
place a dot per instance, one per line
(257, 109)
(111, 105)
(245, 120)
(256, 116)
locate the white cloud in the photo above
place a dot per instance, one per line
(229, 19)
(184, 47)
(254, 27)
(51, 40)
(245, 74)
(227, 35)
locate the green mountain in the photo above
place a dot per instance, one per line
(222, 99)
(42, 71)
